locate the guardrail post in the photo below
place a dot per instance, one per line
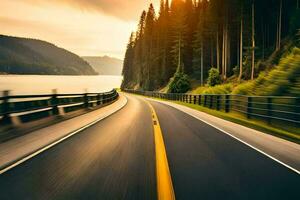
(205, 100)
(6, 108)
(102, 99)
(269, 108)
(116, 95)
(249, 107)
(297, 111)
(227, 103)
(86, 100)
(98, 99)
(218, 102)
(211, 101)
(54, 102)
(199, 99)
(195, 99)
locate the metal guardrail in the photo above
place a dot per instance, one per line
(271, 109)
(26, 105)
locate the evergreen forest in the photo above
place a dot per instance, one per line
(216, 46)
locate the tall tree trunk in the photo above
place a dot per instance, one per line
(253, 41)
(223, 51)
(179, 56)
(228, 54)
(218, 51)
(263, 27)
(211, 52)
(279, 26)
(202, 81)
(238, 50)
(241, 46)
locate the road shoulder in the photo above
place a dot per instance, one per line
(21, 148)
(280, 150)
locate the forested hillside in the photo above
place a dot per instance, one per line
(105, 65)
(232, 40)
(29, 56)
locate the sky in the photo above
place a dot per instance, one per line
(85, 27)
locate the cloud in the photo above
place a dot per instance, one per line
(128, 10)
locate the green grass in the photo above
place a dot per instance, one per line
(219, 89)
(281, 80)
(293, 134)
(290, 133)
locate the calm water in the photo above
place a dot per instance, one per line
(32, 84)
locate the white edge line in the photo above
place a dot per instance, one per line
(249, 145)
(59, 141)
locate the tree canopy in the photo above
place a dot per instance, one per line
(190, 37)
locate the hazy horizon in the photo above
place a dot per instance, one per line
(72, 24)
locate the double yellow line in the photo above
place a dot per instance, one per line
(165, 190)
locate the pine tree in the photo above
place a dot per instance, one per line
(139, 51)
(148, 45)
(178, 28)
(192, 36)
(128, 63)
(241, 42)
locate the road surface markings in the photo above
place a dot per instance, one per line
(165, 190)
(249, 145)
(18, 162)
(234, 137)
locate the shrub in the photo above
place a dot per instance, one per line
(179, 83)
(219, 89)
(282, 80)
(214, 77)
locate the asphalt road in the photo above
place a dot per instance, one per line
(115, 159)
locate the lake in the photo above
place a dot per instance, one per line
(36, 84)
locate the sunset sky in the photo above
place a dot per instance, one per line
(85, 27)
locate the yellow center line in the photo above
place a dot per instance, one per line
(165, 189)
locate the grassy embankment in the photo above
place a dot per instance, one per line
(281, 80)
(289, 133)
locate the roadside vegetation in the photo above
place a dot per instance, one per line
(278, 130)
(282, 80)
(234, 46)
(218, 47)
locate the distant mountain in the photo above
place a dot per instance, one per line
(30, 56)
(105, 65)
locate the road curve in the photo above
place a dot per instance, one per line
(115, 159)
